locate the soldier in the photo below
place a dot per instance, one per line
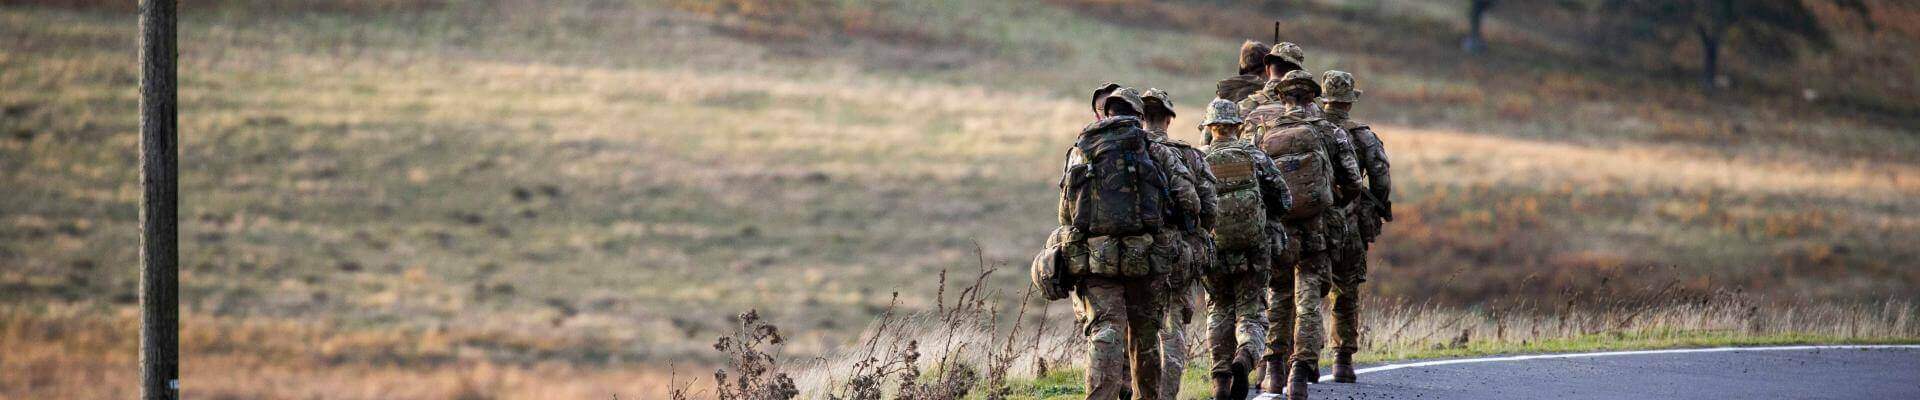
(1365, 215)
(1317, 162)
(1253, 73)
(1285, 57)
(1194, 229)
(1252, 196)
(1117, 191)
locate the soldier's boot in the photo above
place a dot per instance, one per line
(1276, 376)
(1343, 368)
(1297, 385)
(1314, 377)
(1223, 387)
(1241, 367)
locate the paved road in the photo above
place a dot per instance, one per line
(1796, 372)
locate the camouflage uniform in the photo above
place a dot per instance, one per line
(1121, 307)
(1236, 320)
(1313, 239)
(1363, 216)
(1194, 229)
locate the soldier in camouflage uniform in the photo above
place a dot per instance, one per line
(1121, 298)
(1285, 105)
(1253, 73)
(1236, 320)
(1252, 76)
(1364, 216)
(1194, 229)
(1283, 58)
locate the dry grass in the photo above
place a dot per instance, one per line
(1399, 330)
(1042, 360)
(86, 353)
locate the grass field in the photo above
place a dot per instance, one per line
(381, 195)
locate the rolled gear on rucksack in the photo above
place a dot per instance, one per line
(1064, 255)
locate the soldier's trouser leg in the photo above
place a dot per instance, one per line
(1146, 308)
(1103, 303)
(1310, 282)
(1280, 310)
(1346, 304)
(1173, 339)
(1236, 320)
(1271, 371)
(1122, 331)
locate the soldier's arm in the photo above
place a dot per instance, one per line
(1206, 188)
(1179, 179)
(1346, 169)
(1279, 199)
(1374, 161)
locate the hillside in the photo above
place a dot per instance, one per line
(394, 188)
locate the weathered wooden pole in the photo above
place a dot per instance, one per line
(159, 203)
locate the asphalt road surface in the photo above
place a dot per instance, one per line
(1788, 372)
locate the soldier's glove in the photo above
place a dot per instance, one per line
(1386, 210)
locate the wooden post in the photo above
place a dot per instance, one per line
(159, 203)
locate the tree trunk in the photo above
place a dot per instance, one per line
(1476, 11)
(159, 203)
(1710, 57)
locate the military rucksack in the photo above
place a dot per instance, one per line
(1296, 148)
(1119, 191)
(1243, 214)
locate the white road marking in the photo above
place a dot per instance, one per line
(1390, 367)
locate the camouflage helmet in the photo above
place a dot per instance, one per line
(1253, 57)
(1158, 101)
(1339, 87)
(1297, 80)
(1127, 95)
(1100, 94)
(1222, 112)
(1290, 53)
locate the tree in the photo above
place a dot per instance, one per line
(1767, 29)
(1475, 43)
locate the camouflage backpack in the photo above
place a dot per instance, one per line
(1243, 216)
(1119, 191)
(1293, 141)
